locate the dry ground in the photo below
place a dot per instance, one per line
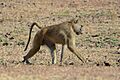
(98, 43)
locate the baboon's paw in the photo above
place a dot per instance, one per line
(26, 62)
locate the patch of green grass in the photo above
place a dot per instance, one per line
(20, 42)
(2, 62)
(111, 41)
(97, 13)
(3, 39)
(63, 13)
(101, 41)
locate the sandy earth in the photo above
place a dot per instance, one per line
(98, 43)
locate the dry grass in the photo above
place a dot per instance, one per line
(101, 36)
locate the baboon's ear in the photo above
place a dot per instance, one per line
(75, 20)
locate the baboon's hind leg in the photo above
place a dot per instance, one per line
(36, 46)
(61, 57)
(52, 48)
(30, 54)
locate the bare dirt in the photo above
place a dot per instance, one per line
(98, 43)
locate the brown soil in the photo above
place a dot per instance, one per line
(98, 43)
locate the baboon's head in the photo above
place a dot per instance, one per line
(76, 26)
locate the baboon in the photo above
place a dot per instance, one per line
(63, 33)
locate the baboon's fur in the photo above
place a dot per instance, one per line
(63, 33)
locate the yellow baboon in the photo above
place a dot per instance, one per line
(63, 33)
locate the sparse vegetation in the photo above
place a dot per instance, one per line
(63, 13)
(98, 43)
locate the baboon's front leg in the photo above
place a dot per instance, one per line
(72, 48)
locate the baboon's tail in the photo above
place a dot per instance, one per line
(30, 34)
